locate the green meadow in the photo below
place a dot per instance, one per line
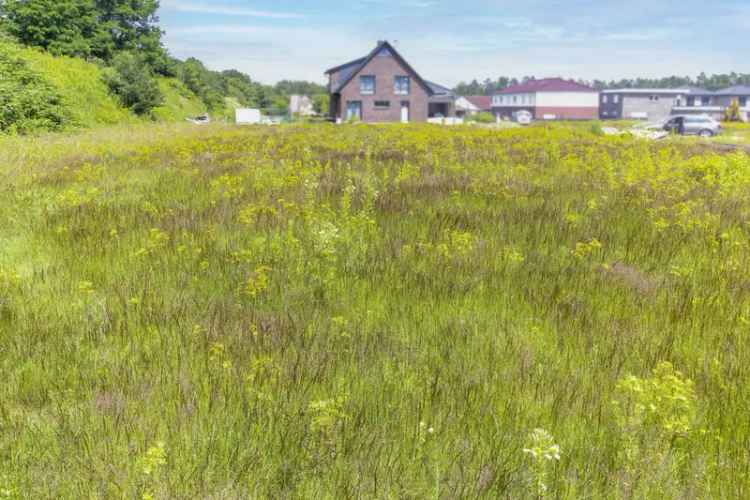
(372, 312)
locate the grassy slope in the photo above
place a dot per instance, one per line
(179, 102)
(81, 86)
(333, 312)
(88, 99)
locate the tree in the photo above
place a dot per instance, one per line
(62, 27)
(321, 104)
(132, 81)
(732, 113)
(85, 28)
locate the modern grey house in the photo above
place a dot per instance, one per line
(640, 104)
(660, 104)
(715, 103)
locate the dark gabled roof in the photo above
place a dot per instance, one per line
(350, 69)
(355, 62)
(547, 85)
(736, 90)
(439, 89)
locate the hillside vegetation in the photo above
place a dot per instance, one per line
(46, 92)
(364, 311)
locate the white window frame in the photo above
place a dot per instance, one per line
(362, 90)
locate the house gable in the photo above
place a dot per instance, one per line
(346, 74)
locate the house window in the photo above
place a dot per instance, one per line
(616, 98)
(382, 104)
(401, 85)
(605, 99)
(691, 101)
(367, 85)
(743, 101)
(706, 101)
(515, 99)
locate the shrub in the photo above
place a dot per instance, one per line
(27, 102)
(732, 113)
(483, 117)
(133, 82)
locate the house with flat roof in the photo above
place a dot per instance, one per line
(660, 104)
(640, 104)
(716, 103)
(383, 87)
(547, 99)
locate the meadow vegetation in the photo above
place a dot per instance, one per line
(372, 311)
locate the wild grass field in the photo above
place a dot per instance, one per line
(372, 312)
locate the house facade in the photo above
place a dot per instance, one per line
(383, 87)
(716, 103)
(660, 104)
(640, 104)
(548, 99)
(301, 105)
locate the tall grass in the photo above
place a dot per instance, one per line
(372, 311)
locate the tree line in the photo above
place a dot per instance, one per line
(712, 82)
(124, 37)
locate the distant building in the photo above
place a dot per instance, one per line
(548, 99)
(715, 104)
(660, 104)
(641, 104)
(301, 105)
(473, 104)
(383, 87)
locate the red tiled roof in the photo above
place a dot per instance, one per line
(547, 85)
(483, 102)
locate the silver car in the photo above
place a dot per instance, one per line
(702, 125)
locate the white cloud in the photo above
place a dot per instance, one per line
(226, 10)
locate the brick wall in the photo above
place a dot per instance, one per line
(384, 69)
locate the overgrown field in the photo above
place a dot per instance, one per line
(372, 312)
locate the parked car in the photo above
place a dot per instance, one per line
(523, 117)
(200, 120)
(702, 125)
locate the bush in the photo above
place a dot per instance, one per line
(732, 113)
(27, 102)
(596, 128)
(482, 117)
(131, 79)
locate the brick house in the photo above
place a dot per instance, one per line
(548, 99)
(383, 87)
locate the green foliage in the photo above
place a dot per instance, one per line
(179, 103)
(132, 81)
(292, 87)
(656, 417)
(596, 128)
(62, 27)
(732, 113)
(482, 117)
(321, 104)
(207, 85)
(99, 28)
(85, 95)
(28, 102)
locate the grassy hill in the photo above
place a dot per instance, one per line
(372, 312)
(83, 99)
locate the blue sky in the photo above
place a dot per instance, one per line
(449, 41)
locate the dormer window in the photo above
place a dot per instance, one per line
(367, 85)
